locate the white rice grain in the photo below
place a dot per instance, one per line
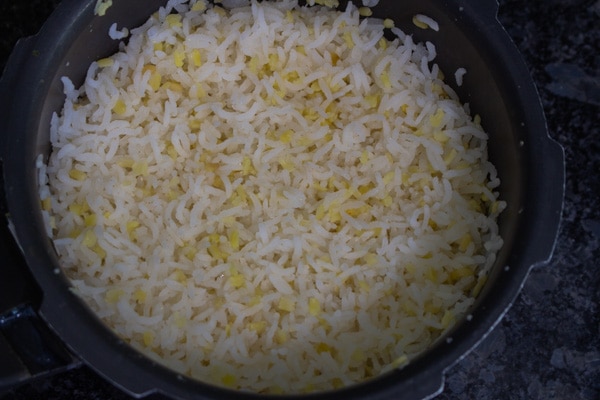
(459, 75)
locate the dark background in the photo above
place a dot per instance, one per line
(548, 345)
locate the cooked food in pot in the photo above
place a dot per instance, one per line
(271, 197)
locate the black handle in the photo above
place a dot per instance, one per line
(548, 211)
(28, 347)
(15, 63)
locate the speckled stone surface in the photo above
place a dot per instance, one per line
(548, 345)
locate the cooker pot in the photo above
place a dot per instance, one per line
(45, 328)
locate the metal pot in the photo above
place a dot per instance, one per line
(44, 327)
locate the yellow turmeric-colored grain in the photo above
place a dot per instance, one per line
(120, 108)
(77, 175)
(286, 304)
(314, 306)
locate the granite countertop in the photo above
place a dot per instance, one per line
(548, 345)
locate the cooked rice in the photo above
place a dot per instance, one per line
(101, 7)
(273, 198)
(459, 74)
(115, 34)
(425, 22)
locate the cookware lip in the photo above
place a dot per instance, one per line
(69, 316)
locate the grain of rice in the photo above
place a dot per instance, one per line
(459, 75)
(101, 7)
(424, 22)
(370, 3)
(115, 34)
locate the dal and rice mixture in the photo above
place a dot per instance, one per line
(273, 198)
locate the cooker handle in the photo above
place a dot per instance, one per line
(28, 348)
(548, 211)
(22, 50)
